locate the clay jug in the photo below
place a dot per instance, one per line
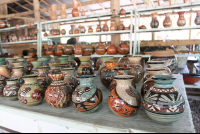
(90, 30)
(75, 12)
(63, 31)
(121, 26)
(122, 12)
(98, 29)
(83, 12)
(154, 23)
(105, 27)
(53, 15)
(197, 19)
(167, 22)
(113, 26)
(112, 49)
(181, 20)
(63, 13)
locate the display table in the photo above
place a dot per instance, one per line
(44, 118)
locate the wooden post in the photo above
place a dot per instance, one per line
(115, 4)
(36, 4)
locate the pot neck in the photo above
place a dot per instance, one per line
(69, 72)
(42, 70)
(30, 80)
(85, 62)
(14, 82)
(86, 81)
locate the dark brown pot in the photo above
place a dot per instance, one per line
(112, 49)
(68, 49)
(123, 49)
(98, 29)
(114, 13)
(59, 50)
(100, 49)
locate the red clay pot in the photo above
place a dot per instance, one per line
(112, 49)
(100, 49)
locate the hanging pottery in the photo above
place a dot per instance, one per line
(122, 12)
(63, 13)
(53, 16)
(75, 11)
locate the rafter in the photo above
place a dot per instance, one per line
(45, 3)
(58, 1)
(103, 8)
(7, 1)
(12, 9)
(135, 5)
(88, 9)
(22, 6)
(149, 3)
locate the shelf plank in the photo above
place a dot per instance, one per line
(19, 42)
(96, 55)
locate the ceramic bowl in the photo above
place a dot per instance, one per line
(191, 78)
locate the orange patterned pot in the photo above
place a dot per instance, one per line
(100, 49)
(78, 50)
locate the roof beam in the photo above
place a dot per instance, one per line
(134, 4)
(22, 6)
(45, 3)
(12, 9)
(103, 8)
(88, 10)
(149, 3)
(7, 1)
(58, 1)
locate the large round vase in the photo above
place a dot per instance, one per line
(124, 100)
(164, 103)
(87, 97)
(30, 93)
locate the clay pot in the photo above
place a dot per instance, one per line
(105, 26)
(88, 49)
(76, 31)
(113, 26)
(63, 31)
(50, 50)
(85, 67)
(18, 73)
(125, 93)
(90, 30)
(17, 63)
(2, 85)
(53, 16)
(34, 37)
(45, 34)
(123, 49)
(167, 22)
(17, 27)
(154, 23)
(181, 20)
(143, 27)
(122, 12)
(78, 50)
(114, 13)
(121, 26)
(100, 49)
(98, 29)
(28, 25)
(71, 31)
(83, 12)
(112, 49)
(101, 60)
(68, 49)
(63, 13)
(82, 29)
(4, 71)
(91, 96)
(32, 52)
(75, 11)
(32, 24)
(59, 50)
(11, 89)
(197, 19)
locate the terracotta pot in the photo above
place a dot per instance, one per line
(50, 50)
(90, 30)
(2, 85)
(101, 61)
(112, 49)
(32, 52)
(113, 26)
(28, 24)
(83, 12)
(11, 89)
(90, 94)
(76, 31)
(18, 73)
(85, 67)
(4, 71)
(121, 26)
(53, 15)
(34, 37)
(122, 12)
(71, 31)
(88, 49)
(82, 29)
(125, 93)
(17, 27)
(78, 50)
(75, 11)
(63, 12)
(167, 22)
(17, 63)
(32, 24)
(59, 50)
(68, 49)
(154, 23)
(181, 21)
(123, 49)
(30, 93)
(190, 78)
(100, 49)
(63, 31)
(114, 13)
(4, 24)
(197, 19)
(143, 27)
(127, 28)
(98, 29)
(105, 26)
(45, 34)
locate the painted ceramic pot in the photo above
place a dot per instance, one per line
(113, 26)
(63, 31)
(167, 22)
(112, 49)
(197, 19)
(124, 62)
(107, 75)
(50, 50)
(45, 60)
(114, 13)
(121, 26)
(9, 63)
(18, 73)
(168, 56)
(53, 15)
(122, 12)
(69, 77)
(142, 27)
(90, 30)
(2, 85)
(75, 11)
(123, 49)
(63, 62)
(154, 23)
(181, 20)
(43, 79)
(85, 67)
(71, 31)
(11, 89)
(72, 62)
(63, 13)
(68, 49)
(54, 66)
(105, 26)
(98, 29)
(30, 93)
(59, 50)
(76, 31)
(87, 97)
(136, 69)
(17, 63)
(78, 50)
(36, 64)
(124, 100)
(100, 49)
(101, 63)
(4, 72)
(82, 29)
(88, 49)
(167, 111)
(58, 93)
(32, 52)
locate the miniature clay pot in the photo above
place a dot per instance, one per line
(88, 49)
(105, 26)
(68, 49)
(143, 27)
(53, 15)
(63, 32)
(114, 13)
(123, 49)
(121, 26)
(113, 26)
(197, 19)
(50, 51)
(122, 12)
(75, 11)
(98, 29)
(167, 22)
(59, 50)
(63, 13)
(154, 23)
(181, 20)
(90, 30)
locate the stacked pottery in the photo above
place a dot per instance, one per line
(100, 63)
(36, 64)
(2, 61)
(18, 63)
(11, 89)
(85, 67)
(107, 75)
(30, 93)
(63, 62)
(169, 104)
(45, 60)
(53, 63)
(87, 97)
(72, 62)
(9, 63)
(58, 94)
(18, 73)
(24, 64)
(124, 99)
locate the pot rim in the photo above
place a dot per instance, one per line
(29, 76)
(86, 76)
(163, 77)
(124, 77)
(190, 75)
(12, 79)
(156, 69)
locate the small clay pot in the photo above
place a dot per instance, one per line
(143, 27)
(59, 50)
(100, 49)
(32, 52)
(90, 30)
(105, 27)
(98, 29)
(113, 26)
(112, 49)
(121, 26)
(50, 51)
(88, 49)
(122, 12)
(78, 50)
(123, 49)
(114, 13)
(71, 31)
(76, 31)
(63, 32)
(68, 49)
